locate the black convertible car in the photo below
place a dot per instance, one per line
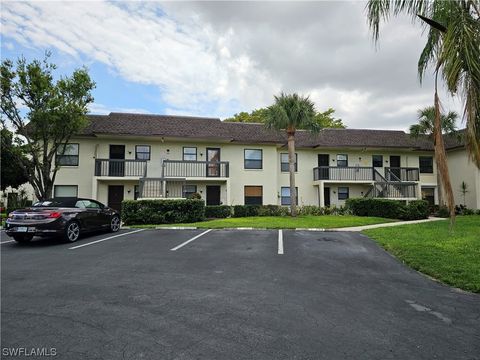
(65, 217)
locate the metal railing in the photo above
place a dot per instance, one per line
(157, 188)
(120, 168)
(393, 190)
(355, 173)
(183, 168)
(402, 174)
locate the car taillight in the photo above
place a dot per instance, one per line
(54, 214)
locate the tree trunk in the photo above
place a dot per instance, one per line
(291, 169)
(441, 160)
(441, 202)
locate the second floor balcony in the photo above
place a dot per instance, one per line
(120, 168)
(365, 173)
(196, 169)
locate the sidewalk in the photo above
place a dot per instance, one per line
(398, 223)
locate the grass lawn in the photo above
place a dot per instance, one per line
(451, 258)
(284, 222)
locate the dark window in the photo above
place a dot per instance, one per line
(426, 164)
(342, 160)
(142, 152)
(343, 193)
(253, 195)
(67, 155)
(428, 193)
(190, 154)
(284, 162)
(377, 160)
(253, 159)
(189, 190)
(285, 195)
(136, 192)
(65, 191)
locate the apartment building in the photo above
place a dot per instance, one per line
(131, 156)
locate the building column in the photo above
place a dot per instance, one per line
(419, 195)
(94, 187)
(321, 197)
(227, 187)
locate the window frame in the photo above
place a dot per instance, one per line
(188, 192)
(286, 202)
(60, 156)
(373, 161)
(346, 160)
(432, 196)
(422, 169)
(143, 152)
(189, 147)
(347, 193)
(252, 160)
(287, 163)
(245, 202)
(57, 186)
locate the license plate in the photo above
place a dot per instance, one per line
(22, 229)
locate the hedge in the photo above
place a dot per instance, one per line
(259, 210)
(392, 209)
(218, 211)
(137, 212)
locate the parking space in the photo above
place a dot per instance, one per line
(221, 294)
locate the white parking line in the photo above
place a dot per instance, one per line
(189, 241)
(4, 242)
(280, 242)
(108, 238)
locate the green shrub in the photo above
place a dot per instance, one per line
(137, 212)
(443, 212)
(392, 209)
(218, 211)
(417, 209)
(259, 210)
(310, 210)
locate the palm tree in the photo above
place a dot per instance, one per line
(425, 126)
(453, 47)
(291, 112)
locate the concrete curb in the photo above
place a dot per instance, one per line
(309, 229)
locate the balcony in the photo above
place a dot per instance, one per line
(395, 190)
(402, 174)
(353, 173)
(120, 168)
(195, 169)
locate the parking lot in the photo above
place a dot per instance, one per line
(228, 294)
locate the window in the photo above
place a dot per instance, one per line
(342, 160)
(189, 190)
(253, 195)
(253, 159)
(87, 204)
(190, 154)
(142, 152)
(426, 164)
(343, 193)
(65, 191)
(428, 193)
(285, 194)
(67, 155)
(377, 160)
(284, 162)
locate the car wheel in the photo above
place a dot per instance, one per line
(72, 231)
(115, 223)
(22, 238)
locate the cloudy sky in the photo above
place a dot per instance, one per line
(220, 58)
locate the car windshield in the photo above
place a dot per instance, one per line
(56, 203)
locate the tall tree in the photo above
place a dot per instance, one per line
(291, 112)
(324, 119)
(11, 174)
(44, 113)
(453, 48)
(426, 126)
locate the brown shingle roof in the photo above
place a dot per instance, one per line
(214, 128)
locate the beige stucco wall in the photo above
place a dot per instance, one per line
(461, 169)
(269, 177)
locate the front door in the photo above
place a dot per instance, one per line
(213, 159)
(116, 165)
(326, 196)
(395, 166)
(213, 194)
(115, 196)
(324, 162)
